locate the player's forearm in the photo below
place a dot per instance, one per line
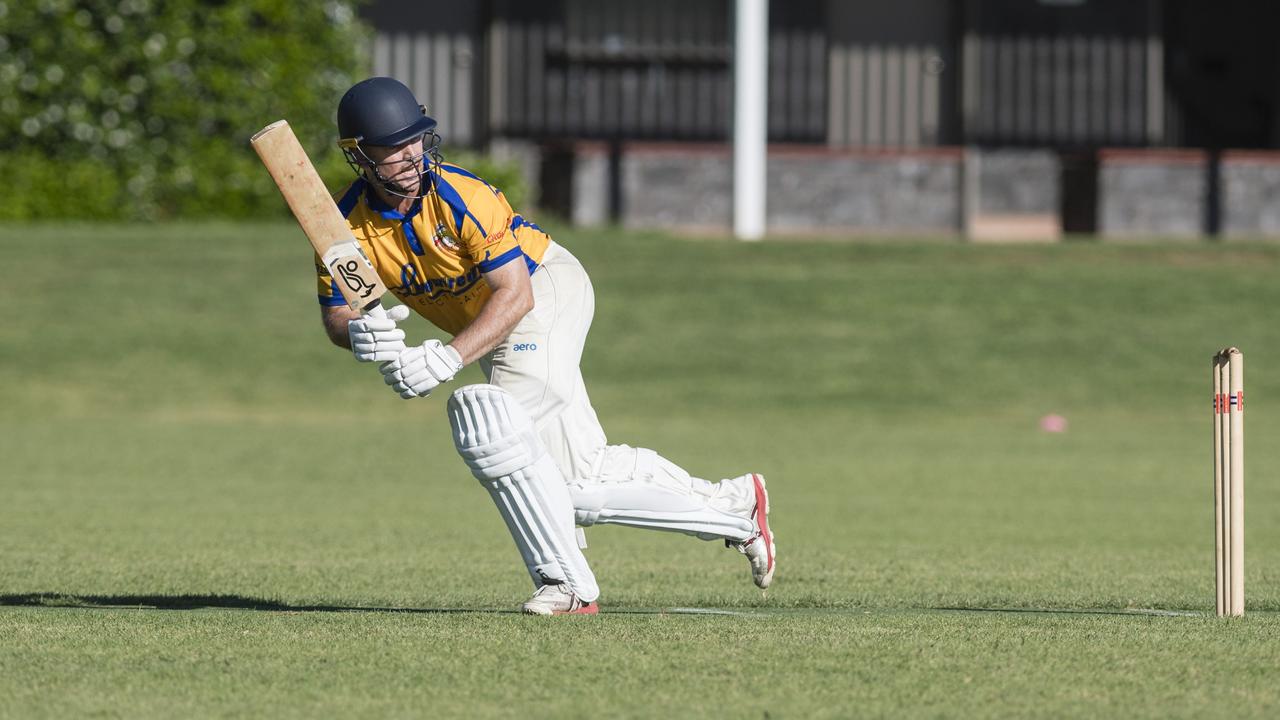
(499, 316)
(335, 324)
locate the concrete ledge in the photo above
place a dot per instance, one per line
(1019, 228)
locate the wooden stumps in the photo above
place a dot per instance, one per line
(1228, 480)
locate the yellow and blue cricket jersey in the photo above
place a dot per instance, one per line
(433, 257)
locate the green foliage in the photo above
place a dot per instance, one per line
(84, 188)
(144, 108)
(505, 176)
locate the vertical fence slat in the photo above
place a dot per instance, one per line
(911, 71)
(1079, 73)
(465, 75)
(1156, 130)
(1044, 86)
(440, 70)
(700, 110)
(555, 88)
(777, 99)
(837, 96)
(536, 102)
(382, 54)
(816, 42)
(931, 96)
(1062, 87)
(1098, 87)
(498, 61)
(875, 95)
(722, 106)
(798, 83)
(402, 55)
(892, 132)
(857, 104)
(989, 100)
(1137, 101)
(516, 117)
(416, 74)
(971, 83)
(593, 100)
(1025, 69)
(1007, 87)
(629, 85)
(1117, 77)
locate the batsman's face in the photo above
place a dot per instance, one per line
(401, 165)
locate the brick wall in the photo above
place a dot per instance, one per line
(1152, 193)
(1250, 192)
(690, 186)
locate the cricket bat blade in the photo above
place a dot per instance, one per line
(319, 217)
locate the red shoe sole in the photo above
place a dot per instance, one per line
(588, 609)
(762, 514)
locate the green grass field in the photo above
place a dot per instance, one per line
(190, 525)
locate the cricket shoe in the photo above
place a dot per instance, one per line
(759, 548)
(557, 599)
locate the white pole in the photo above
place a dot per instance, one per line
(750, 105)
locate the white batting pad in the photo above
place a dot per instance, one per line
(639, 488)
(496, 438)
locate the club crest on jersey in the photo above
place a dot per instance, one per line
(443, 239)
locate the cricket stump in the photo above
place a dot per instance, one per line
(1228, 480)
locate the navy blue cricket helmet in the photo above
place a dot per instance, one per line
(383, 111)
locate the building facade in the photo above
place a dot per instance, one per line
(1030, 115)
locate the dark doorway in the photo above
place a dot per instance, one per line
(1079, 192)
(1221, 66)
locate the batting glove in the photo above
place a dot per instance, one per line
(417, 371)
(377, 339)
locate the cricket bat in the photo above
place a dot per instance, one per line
(319, 217)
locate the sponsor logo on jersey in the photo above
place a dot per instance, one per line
(496, 238)
(412, 284)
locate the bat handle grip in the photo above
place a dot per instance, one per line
(375, 310)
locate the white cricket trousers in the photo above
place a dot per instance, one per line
(539, 365)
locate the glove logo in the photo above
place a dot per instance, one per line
(522, 347)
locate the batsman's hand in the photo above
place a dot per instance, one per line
(417, 371)
(377, 339)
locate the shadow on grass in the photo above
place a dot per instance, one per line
(205, 602)
(239, 602)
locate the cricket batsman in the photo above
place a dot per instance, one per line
(451, 249)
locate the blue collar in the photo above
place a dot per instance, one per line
(386, 211)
